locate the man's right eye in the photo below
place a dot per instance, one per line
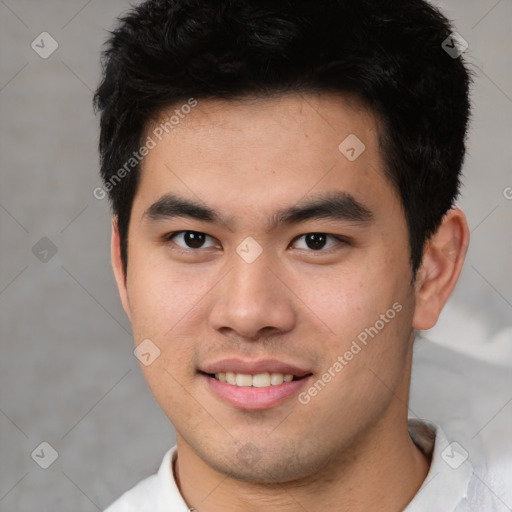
(190, 240)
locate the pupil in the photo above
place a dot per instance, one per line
(315, 240)
(194, 239)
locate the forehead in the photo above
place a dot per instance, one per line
(258, 153)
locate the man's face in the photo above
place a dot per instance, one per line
(259, 295)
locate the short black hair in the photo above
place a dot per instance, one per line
(388, 53)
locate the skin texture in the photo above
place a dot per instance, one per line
(348, 448)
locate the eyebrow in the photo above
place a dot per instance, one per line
(337, 206)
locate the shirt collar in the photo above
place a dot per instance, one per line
(450, 471)
(167, 482)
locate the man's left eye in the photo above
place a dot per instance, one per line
(317, 241)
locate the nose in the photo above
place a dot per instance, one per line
(252, 302)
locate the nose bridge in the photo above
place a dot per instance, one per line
(251, 281)
(250, 299)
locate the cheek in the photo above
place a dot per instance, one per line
(343, 301)
(365, 313)
(170, 387)
(162, 302)
(161, 296)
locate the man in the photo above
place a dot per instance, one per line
(283, 178)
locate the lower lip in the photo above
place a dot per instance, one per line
(253, 398)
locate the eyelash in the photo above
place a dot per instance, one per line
(170, 236)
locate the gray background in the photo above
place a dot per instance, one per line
(68, 374)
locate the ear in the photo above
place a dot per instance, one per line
(443, 257)
(117, 265)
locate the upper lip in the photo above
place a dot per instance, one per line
(254, 367)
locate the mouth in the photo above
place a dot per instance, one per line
(254, 385)
(259, 380)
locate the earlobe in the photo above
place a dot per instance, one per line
(117, 266)
(443, 258)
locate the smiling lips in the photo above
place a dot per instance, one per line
(254, 385)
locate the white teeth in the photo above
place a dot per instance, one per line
(260, 380)
(276, 379)
(243, 380)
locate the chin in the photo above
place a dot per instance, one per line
(266, 465)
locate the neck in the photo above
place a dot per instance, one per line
(382, 472)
